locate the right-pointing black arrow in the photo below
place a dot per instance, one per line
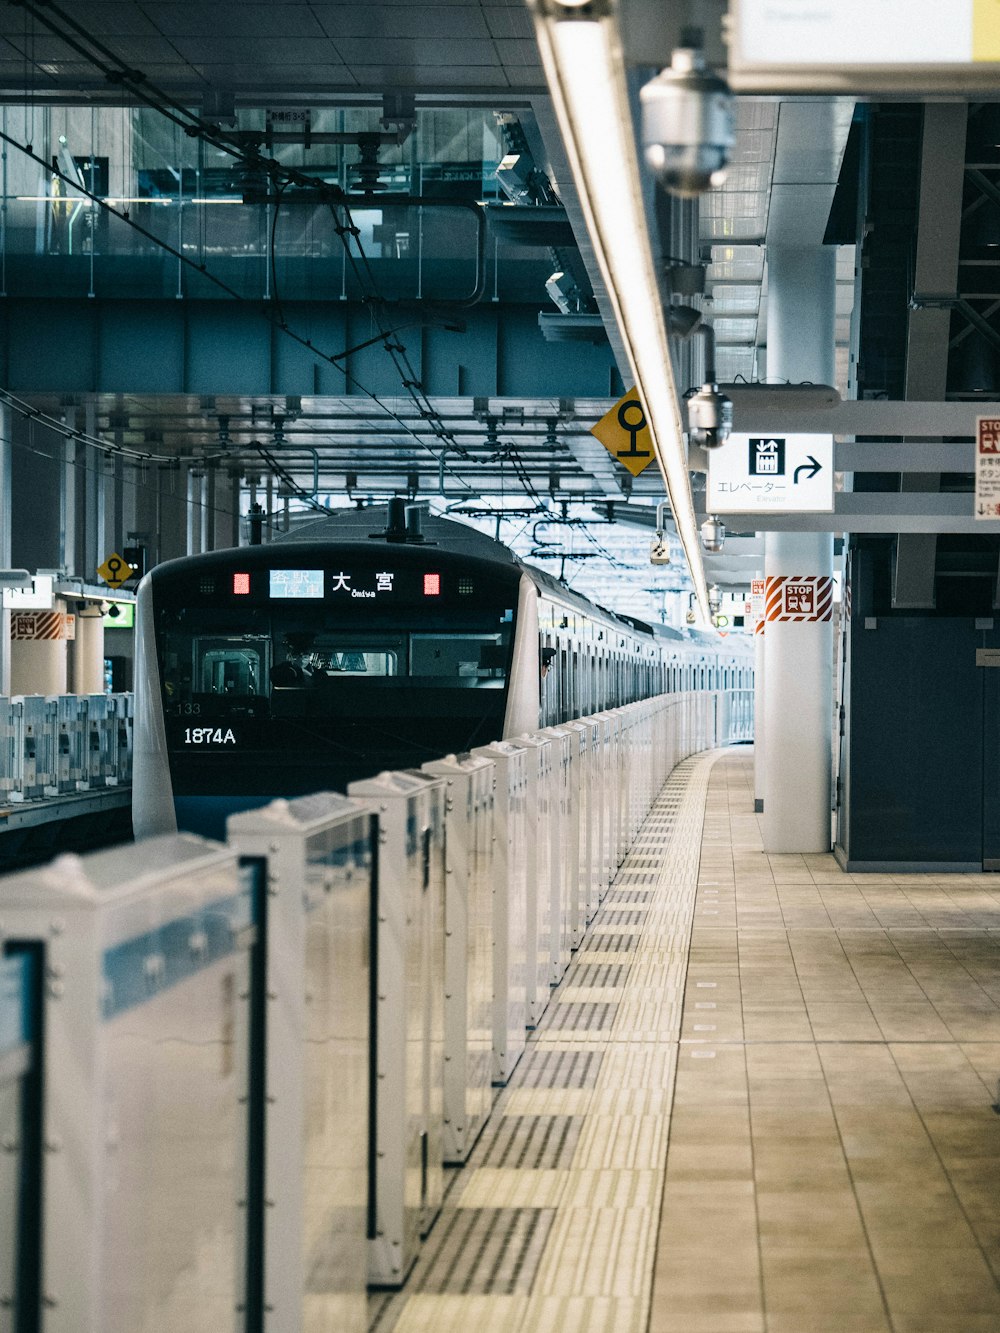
(810, 469)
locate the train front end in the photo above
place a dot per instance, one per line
(295, 667)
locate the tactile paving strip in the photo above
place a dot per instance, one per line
(551, 1227)
(484, 1250)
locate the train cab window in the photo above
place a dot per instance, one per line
(472, 659)
(229, 668)
(235, 667)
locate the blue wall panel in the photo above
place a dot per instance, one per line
(137, 352)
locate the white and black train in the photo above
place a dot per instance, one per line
(358, 644)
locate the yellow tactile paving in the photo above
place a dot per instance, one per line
(501, 1188)
(547, 1101)
(599, 1252)
(462, 1314)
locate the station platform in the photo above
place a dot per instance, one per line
(761, 1101)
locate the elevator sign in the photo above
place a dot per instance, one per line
(776, 474)
(986, 505)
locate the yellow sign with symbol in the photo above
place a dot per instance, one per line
(115, 571)
(624, 433)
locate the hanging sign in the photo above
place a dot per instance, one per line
(116, 570)
(847, 46)
(987, 498)
(776, 474)
(624, 432)
(757, 605)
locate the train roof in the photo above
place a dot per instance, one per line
(358, 525)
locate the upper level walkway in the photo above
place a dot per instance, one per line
(761, 1102)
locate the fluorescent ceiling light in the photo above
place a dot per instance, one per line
(583, 65)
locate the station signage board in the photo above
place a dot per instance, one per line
(986, 505)
(854, 45)
(771, 474)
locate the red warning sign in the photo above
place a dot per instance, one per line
(986, 505)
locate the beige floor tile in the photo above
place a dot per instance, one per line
(842, 1022)
(838, 1287)
(817, 1219)
(926, 1281)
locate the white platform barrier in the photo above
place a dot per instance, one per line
(59, 744)
(578, 832)
(145, 1053)
(563, 851)
(538, 919)
(409, 1042)
(317, 857)
(510, 905)
(468, 949)
(22, 1149)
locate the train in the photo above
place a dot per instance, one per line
(367, 640)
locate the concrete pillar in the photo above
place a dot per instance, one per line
(38, 666)
(798, 655)
(88, 651)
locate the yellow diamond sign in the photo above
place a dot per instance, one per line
(115, 571)
(625, 435)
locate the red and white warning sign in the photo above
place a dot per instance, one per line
(30, 626)
(799, 597)
(757, 605)
(987, 499)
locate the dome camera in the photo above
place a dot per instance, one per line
(713, 534)
(710, 417)
(687, 125)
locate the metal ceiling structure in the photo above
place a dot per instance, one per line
(233, 61)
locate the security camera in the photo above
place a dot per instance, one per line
(713, 534)
(714, 598)
(687, 125)
(710, 417)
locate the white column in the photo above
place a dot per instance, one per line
(798, 707)
(798, 656)
(758, 721)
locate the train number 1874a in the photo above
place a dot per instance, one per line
(209, 736)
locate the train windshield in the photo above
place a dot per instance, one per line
(291, 668)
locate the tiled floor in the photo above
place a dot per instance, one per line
(834, 1158)
(797, 1064)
